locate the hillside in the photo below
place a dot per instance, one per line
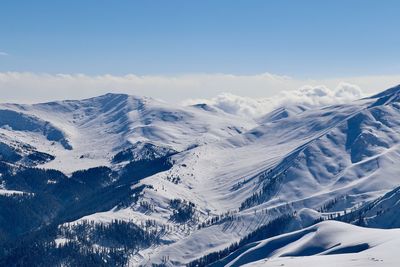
(149, 183)
(324, 244)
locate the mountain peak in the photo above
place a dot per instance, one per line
(107, 97)
(388, 96)
(388, 92)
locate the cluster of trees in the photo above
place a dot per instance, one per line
(118, 234)
(147, 151)
(32, 180)
(41, 253)
(21, 213)
(227, 216)
(269, 187)
(98, 176)
(86, 244)
(146, 205)
(357, 216)
(174, 179)
(183, 210)
(275, 227)
(28, 216)
(270, 181)
(37, 157)
(328, 206)
(137, 170)
(19, 153)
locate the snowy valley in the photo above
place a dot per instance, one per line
(120, 180)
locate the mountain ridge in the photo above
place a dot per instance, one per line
(195, 180)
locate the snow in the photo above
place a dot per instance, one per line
(381, 258)
(319, 163)
(381, 213)
(283, 113)
(348, 153)
(61, 241)
(5, 192)
(99, 127)
(325, 244)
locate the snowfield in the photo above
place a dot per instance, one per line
(96, 128)
(232, 175)
(325, 244)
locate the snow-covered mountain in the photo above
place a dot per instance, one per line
(380, 213)
(194, 183)
(324, 244)
(88, 133)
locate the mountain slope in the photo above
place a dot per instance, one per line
(345, 154)
(96, 129)
(193, 181)
(382, 212)
(324, 244)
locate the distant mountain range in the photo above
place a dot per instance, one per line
(120, 180)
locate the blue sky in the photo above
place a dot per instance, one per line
(176, 50)
(298, 38)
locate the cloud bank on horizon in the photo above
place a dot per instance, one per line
(306, 95)
(238, 94)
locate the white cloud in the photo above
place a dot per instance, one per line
(237, 105)
(3, 53)
(34, 87)
(322, 95)
(306, 95)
